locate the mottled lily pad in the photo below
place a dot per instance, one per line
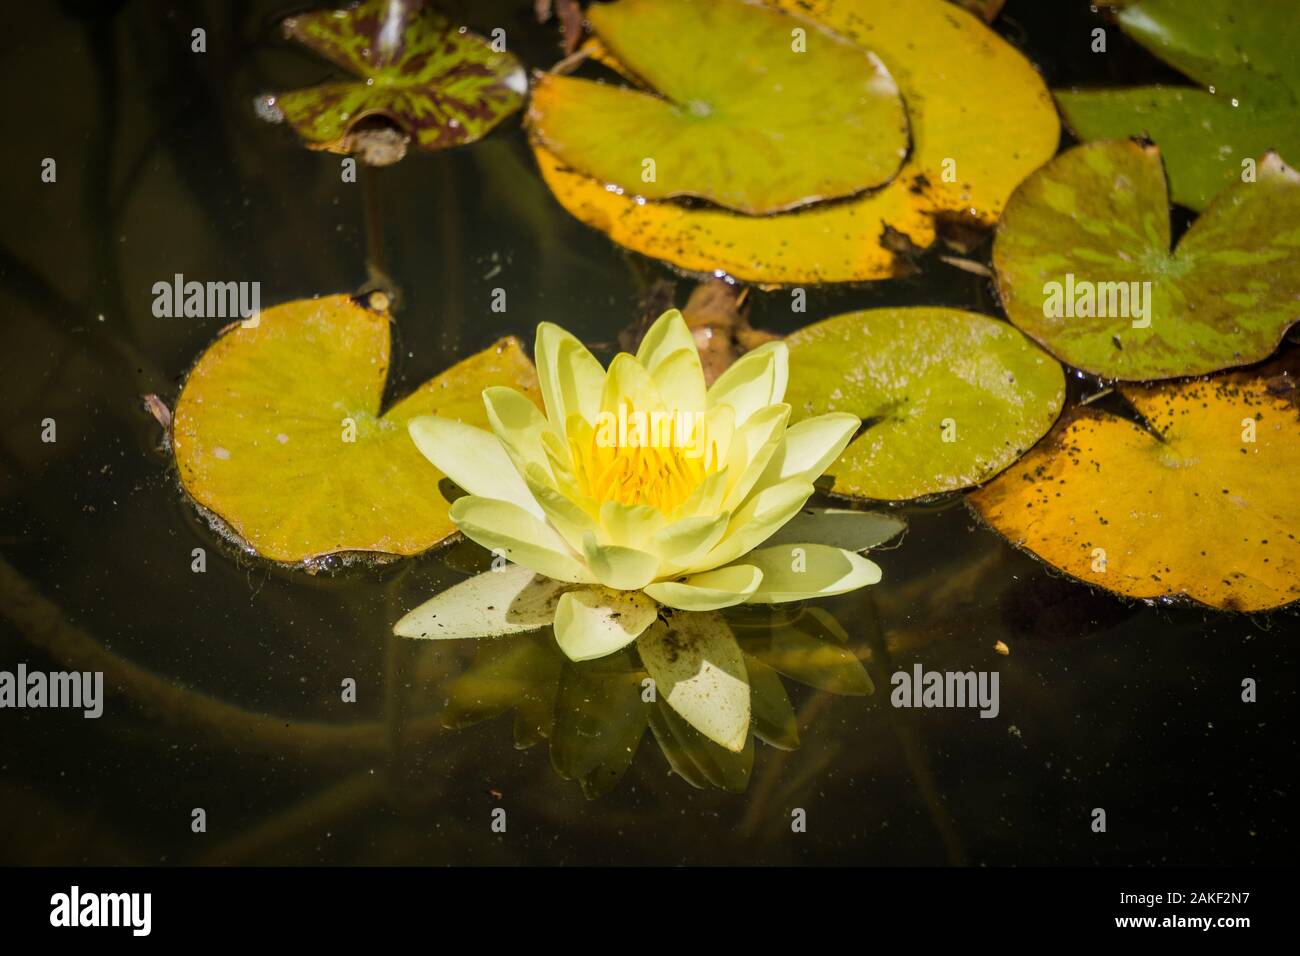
(947, 398)
(1084, 265)
(440, 84)
(1205, 509)
(775, 123)
(981, 120)
(1242, 55)
(278, 432)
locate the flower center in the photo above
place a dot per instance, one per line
(642, 458)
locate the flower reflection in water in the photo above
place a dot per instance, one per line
(595, 714)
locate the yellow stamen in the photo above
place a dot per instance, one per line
(661, 473)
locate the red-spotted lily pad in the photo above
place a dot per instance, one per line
(1084, 265)
(278, 432)
(437, 83)
(749, 107)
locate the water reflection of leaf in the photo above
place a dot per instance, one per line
(594, 714)
(773, 718)
(807, 651)
(695, 758)
(521, 673)
(600, 718)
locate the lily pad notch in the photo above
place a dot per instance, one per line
(415, 73)
(279, 434)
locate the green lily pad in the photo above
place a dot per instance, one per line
(278, 432)
(1243, 57)
(1084, 265)
(440, 84)
(739, 109)
(947, 398)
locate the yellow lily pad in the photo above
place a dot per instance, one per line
(792, 114)
(981, 121)
(1205, 509)
(278, 432)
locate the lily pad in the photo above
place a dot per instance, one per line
(1204, 508)
(278, 432)
(1243, 57)
(774, 124)
(981, 120)
(947, 398)
(439, 83)
(1084, 265)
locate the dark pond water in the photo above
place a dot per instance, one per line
(224, 686)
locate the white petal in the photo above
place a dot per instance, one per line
(758, 519)
(567, 516)
(512, 532)
(752, 449)
(508, 601)
(631, 526)
(699, 670)
(811, 446)
(680, 381)
(594, 622)
(709, 590)
(756, 379)
(625, 569)
(568, 375)
(839, 528)
(796, 572)
(473, 458)
(685, 541)
(668, 335)
(519, 425)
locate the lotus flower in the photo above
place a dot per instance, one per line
(642, 489)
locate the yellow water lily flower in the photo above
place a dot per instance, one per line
(641, 488)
